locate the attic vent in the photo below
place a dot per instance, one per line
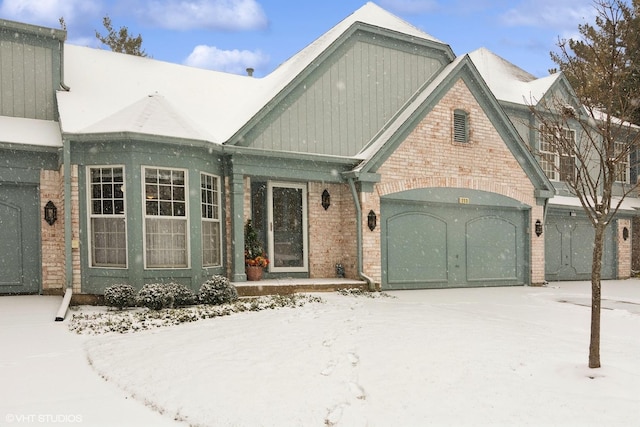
(460, 126)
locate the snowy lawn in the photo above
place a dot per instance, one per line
(490, 356)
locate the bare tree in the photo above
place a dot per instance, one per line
(120, 41)
(589, 129)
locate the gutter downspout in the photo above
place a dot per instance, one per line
(66, 161)
(356, 201)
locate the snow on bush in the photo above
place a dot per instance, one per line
(139, 320)
(182, 296)
(217, 290)
(120, 296)
(155, 296)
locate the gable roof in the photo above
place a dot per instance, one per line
(383, 145)
(508, 82)
(201, 104)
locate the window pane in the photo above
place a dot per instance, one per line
(152, 208)
(108, 243)
(166, 243)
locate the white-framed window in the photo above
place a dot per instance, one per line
(622, 168)
(211, 225)
(460, 126)
(107, 217)
(165, 218)
(557, 164)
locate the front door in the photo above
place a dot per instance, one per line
(287, 227)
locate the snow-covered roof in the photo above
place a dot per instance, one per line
(628, 204)
(113, 92)
(44, 133)
(507, 81)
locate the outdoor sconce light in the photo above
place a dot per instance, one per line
(371, 220)
(538, 228)
(326, 199)
(625, 233)
(50, 213)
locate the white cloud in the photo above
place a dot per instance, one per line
(47, 12)
(230, 61)
(557, 14)
(230, 15)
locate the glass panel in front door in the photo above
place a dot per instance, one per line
(288, 230)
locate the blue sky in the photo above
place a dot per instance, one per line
(229, 35)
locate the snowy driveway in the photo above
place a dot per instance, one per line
(490, 356)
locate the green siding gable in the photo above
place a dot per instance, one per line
(30, 61)
(348, 97)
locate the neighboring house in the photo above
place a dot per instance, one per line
(374, 147)
(568, 233)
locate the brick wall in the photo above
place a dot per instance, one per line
(75, 231)
(332, 232)
(624, 249)
(429, 158)
(52, 236)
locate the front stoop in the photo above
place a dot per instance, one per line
(292, 286)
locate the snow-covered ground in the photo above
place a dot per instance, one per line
(492, 356)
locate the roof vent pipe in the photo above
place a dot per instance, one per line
(250, 72)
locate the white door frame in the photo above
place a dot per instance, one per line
(305, 235)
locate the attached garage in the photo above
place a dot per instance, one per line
(19, 239)
(569, 248)
(445, 238)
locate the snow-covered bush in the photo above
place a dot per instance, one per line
(155, 296)
(182, 296)
(218, 290)
(120, 296)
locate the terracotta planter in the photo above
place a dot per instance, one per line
(254, 273)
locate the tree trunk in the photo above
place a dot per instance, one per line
(596, 267)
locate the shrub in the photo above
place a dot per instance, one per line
(182, 296)
(155, 296)
(120, 296)
(218, 290)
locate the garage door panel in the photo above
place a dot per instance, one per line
(495, 258)
(569, 249)
(11, 259)
(19, 239)
(582, 248)
(410, 259)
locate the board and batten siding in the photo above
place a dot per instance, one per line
(340, 108)
(26, 80)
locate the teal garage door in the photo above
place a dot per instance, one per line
(568, 247)
(430, 245)
(19, 239)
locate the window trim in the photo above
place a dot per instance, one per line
(556, 169)
(219, 220)
(143, 169)
(626, 163)
(90, 216)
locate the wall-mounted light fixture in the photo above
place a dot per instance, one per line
(326, 199)
(538, 228)
(625, 233)
(50, 213)
(372, 220)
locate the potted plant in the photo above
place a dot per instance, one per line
(255, 259)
